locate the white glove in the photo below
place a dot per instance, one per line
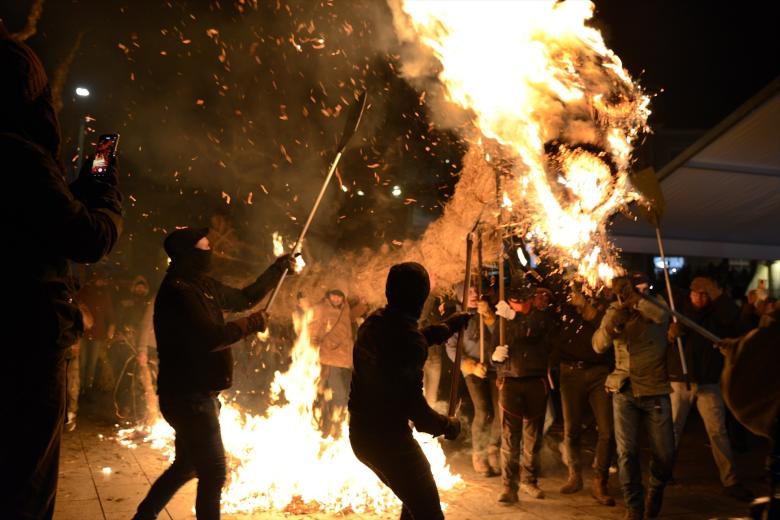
(505, 311)
(500, 354)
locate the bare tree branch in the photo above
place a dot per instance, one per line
(61, 73)
(32, 21)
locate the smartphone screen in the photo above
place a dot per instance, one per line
(105, 151)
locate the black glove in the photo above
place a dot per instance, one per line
(452, 429)
(255, 322)
(285, 262)
(98, 191)
(457, 321)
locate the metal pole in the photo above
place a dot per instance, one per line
(299, 242)
(455, 373)
(501, 288)
(683, 319)
(479, 299)
(680, 350)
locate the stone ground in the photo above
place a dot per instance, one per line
(86, 492)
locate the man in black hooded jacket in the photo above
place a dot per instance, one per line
(196, 363)
(387, 392)
(48, 224)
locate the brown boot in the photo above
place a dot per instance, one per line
(573, 484)
(600, 492)
(479, 461)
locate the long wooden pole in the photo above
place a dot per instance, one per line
(680, 350)
(479, 299)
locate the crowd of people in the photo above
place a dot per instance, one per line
(611, 355)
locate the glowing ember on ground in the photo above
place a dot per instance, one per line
(281, 462)
(565, 113)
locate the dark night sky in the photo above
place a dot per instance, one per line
(248, 109)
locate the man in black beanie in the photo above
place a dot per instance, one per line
(193, 343)
(387, 392)
(52, 224)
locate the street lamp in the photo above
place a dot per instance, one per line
(396, 191)
(82, 92)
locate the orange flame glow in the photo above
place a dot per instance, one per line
(280, 461)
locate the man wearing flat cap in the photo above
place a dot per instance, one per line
(193, 344)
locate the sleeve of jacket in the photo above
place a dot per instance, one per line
(601, 340)
(201, 328)
(425, 418)
(79, 231)
(652, 312)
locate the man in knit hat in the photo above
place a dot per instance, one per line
(53, 224)
(386, 392)
(196, 363)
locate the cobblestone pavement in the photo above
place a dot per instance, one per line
(88, 490)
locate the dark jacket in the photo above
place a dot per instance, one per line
(50, 223)
(192, 336)
(640, 350)
(387, 377)
(528, 338)
(572, 339)
(705, 362)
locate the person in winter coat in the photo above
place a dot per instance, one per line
(482, 386)
(640, 391)
(715, 311)
(523, 387)
(387, 392)
(50, 224)
(331, 333)
(196, 363)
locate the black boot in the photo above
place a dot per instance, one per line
(655, 498)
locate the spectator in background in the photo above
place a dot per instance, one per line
(708, 306)
(331, 333)
(96, 296)
(52, 224)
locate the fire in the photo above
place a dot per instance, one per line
(278, 245)
(543, 85)
(280, 461)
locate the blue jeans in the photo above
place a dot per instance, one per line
(199, 453)
(654, 413)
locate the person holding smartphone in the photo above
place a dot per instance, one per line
(48, 225)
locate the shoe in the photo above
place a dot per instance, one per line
(508, 496)
(480, 464)
(70, 425)
(532, 490)
(740, 492)
(653, 502)
(573, 484)
(494, 460)
(600, 492)
(633, 514)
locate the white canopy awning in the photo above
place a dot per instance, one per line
(723, 192)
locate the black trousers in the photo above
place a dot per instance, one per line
(523, 403)
(34, 388)
(400, 463)
(199, 453)
(583, 387)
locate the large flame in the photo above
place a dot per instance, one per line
(544, 85)
(280, 461)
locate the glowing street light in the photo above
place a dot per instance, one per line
(82, 92)
(396, 191)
